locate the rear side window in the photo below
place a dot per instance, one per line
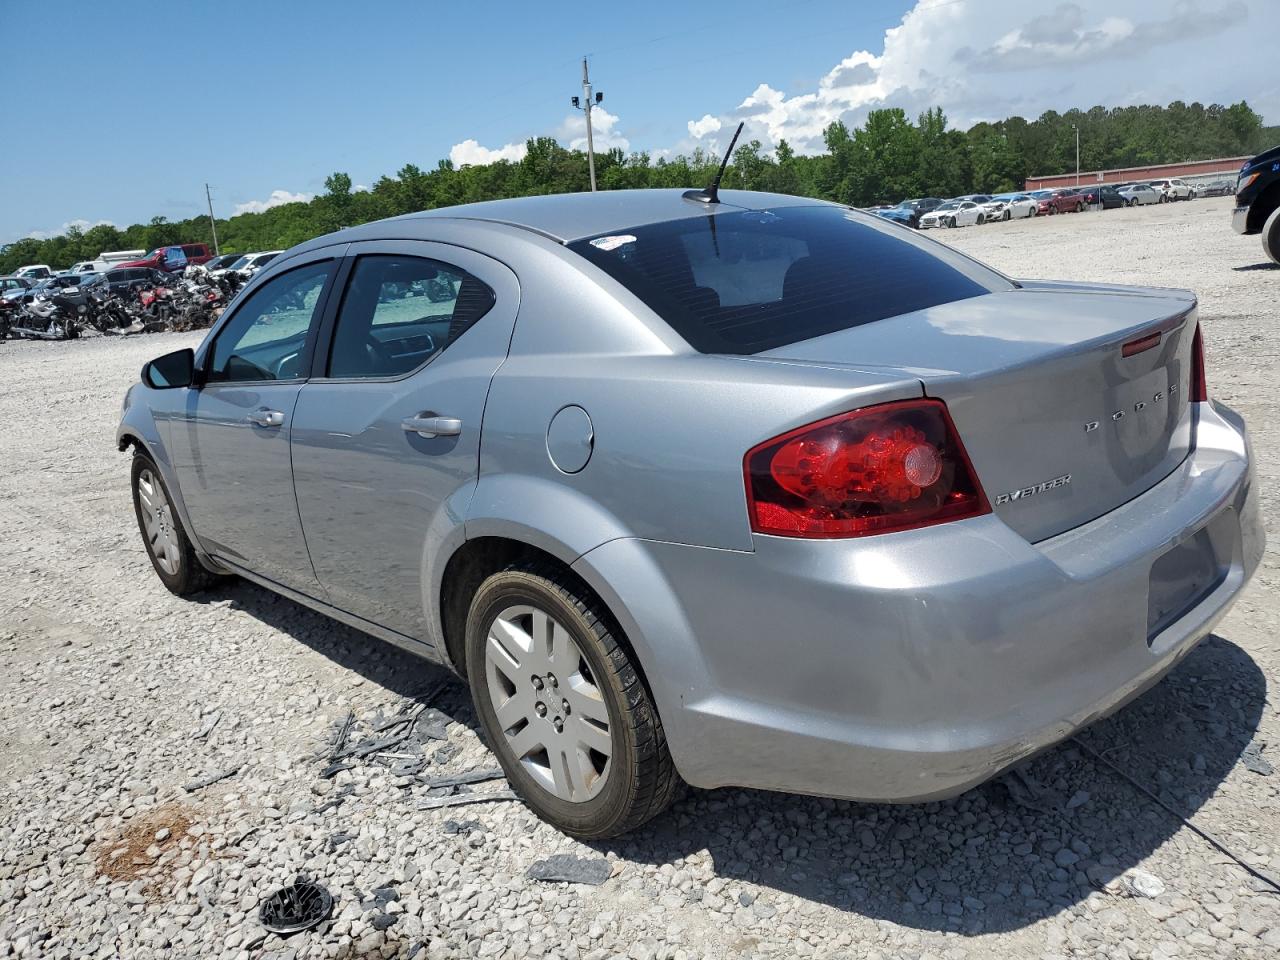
(749, 281)
(399, 312)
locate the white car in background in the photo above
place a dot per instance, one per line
(1009, 206)
(1174, 189)
(247, 265)
(1140, 194)
(953, 213)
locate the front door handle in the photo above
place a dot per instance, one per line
(429, 426)
(266, 418)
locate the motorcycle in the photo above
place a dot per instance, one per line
(53, 316)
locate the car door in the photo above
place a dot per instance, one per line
(230, 440)
(386, 434)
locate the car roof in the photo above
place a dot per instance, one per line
(572, 216)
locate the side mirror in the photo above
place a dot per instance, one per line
(177, 369)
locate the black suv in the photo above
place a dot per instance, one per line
(123, 281)
(1258, 200)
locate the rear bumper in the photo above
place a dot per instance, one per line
(1240, 219)
(913, 666)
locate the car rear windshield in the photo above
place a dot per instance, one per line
(752, 280)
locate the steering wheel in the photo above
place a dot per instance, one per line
(282, 371)
(380, 356)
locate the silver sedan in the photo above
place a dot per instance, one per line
(742, 489)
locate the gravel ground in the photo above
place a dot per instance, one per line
(116, 696)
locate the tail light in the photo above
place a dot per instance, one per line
(896, 466)
(1199, 388)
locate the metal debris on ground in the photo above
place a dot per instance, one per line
(206, 728)
(459, 779)
(566, 868)
(212, 778)
(454, 827)
(334, 768)
(300, 906)
(462, 799)
(1252, 758)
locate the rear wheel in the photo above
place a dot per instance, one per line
(1271, 235)
(168, 545)
(563, 706)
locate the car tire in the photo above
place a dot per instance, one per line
(1007, 215)
(168, 547)
(1052, 211)
(951, 222)
(1271, 236)
(637, 780)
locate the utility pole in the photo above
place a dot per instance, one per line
(1077, 130)
(585, 103)
(212, 223)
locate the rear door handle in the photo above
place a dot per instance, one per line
(266, 418)
(431, 426)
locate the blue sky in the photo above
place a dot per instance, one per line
(125, 113)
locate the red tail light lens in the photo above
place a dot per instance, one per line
(896, 466)
(1199, 388)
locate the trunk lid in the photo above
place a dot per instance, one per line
(1060, 425)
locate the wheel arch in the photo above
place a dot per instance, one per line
(1263, 207)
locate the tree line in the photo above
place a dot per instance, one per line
(888, 158)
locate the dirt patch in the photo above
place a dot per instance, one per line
(147, 849)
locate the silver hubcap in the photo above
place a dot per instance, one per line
(158, 523)
(549, 708)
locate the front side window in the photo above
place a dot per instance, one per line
(399, 312)
(266, 338)
(749, 281)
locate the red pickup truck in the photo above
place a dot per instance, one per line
(1059, 201)
(173, 259)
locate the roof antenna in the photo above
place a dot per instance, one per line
(712, 193)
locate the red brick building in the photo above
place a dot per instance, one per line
(1195, 168)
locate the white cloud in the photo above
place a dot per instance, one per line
(700, 128)
(604, 130)
(471, 153)
(360, 188)
(278, 198)
(79, 224)
(990, 60)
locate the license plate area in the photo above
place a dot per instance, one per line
(1184, 575)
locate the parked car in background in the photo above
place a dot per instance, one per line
(251, 263)
(1258, 200)
(124, 281)
(1140, 194)
(953, 213)
(898, 545)
(174, 258)
(1216, 188)
(11, 283)
(909, 212)
(220, 263)
(975, 197)
(34, 271)
(1108, 197)
(1049, 202)
(1171, 188)
(1009, 206)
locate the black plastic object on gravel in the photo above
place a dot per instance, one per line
(297, 907)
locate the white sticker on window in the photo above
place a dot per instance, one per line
(612, 243)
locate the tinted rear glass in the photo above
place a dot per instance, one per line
(748, 281)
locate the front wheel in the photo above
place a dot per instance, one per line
(168, 546)
(1271, 236)
(951, 223)
(1007, 215)
(563, 705)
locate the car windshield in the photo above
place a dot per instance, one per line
(952, 205)
(753, 280)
